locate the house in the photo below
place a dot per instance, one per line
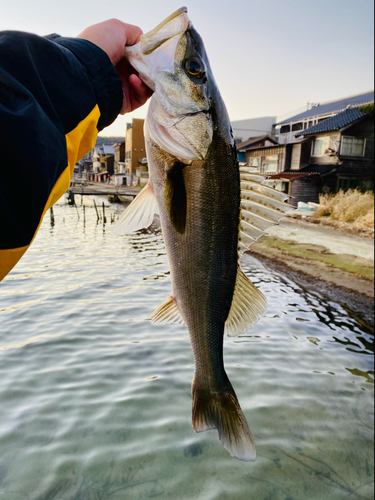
(142, 174)
(287, 129)
(266, 157)
(103, 162)
(119, 159)
(83, 167)
(135, 149)
(336, 153)
(243, 148)
(119, 177)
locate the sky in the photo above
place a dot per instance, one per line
(268, 58)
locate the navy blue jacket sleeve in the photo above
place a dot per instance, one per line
(55, 95)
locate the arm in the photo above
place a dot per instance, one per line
(55, 95)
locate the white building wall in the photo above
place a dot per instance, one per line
(253, 127)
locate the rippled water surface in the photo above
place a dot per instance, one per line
(95, 401)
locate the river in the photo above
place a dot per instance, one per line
(95, 401)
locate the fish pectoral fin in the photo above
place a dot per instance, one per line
(248, 306)
(139, 214)
(167, 313)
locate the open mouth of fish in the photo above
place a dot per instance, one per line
(145, 58)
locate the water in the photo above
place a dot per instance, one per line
(95, 401)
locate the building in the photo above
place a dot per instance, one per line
(83, 167)
(253, 127)
(245, 147)
(102, 158)
(337, 153)
(119, 177)
(323, 148)
(119, 159)
(266, 157)
(287, 129)
(135, 150)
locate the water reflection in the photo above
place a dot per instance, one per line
(95, 401)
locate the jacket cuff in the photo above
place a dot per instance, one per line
(102, 75)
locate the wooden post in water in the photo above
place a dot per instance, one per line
(52, 217)
(97, 213)
(77, 212)
(104, 219)
(84, 215)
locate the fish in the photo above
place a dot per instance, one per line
(210, 212)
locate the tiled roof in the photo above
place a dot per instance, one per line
(336, 122)
(333, 107)
(254, 140)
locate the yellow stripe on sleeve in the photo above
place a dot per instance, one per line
(79, 142)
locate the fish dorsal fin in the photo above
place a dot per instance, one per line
(248, 306)
(167, 313)
(139, 214)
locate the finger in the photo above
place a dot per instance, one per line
(137, 95)
(132, 33)
(139, 90)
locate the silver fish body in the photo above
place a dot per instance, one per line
(195, 180)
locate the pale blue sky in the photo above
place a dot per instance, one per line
(268, 57)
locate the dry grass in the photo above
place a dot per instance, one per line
(350, 206)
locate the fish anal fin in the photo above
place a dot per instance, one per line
(167, 313)
(248, 306)
(139, 214)
(221, 410)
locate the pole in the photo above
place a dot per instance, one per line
(52, 217)
(96, 209)
(104, 219)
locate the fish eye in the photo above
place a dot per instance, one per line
(195, 67)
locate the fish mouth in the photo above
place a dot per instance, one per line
(176, 24)
(144, 56)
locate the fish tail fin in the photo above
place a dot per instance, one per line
(221, 410)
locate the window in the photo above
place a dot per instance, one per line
(285, 129)
(271, 163)
(320, 146)
(255, 163)
(297, 126)
(352, 146)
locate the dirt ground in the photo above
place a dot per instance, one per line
(323, 252)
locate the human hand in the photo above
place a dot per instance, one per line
(112, 36)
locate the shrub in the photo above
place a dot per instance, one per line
(349, 206)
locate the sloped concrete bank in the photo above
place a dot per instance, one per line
(325, 254)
